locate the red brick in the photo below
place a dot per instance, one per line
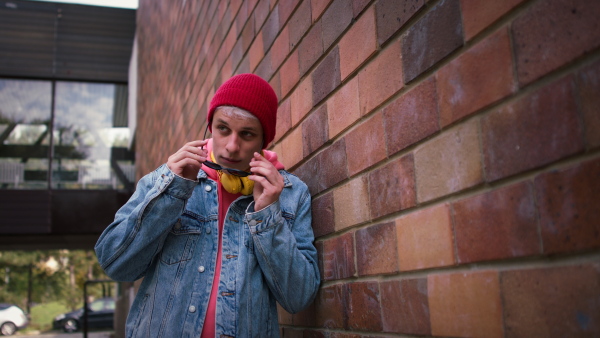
(244, 66)
(323, 219)
(365, 145)
(318, 7)
(331, 307)
(392, 187)
(315, 131)
(288, 332)
(291, 148)
(264, 68)
(301, 100)
(275, 82)
(326, 169)
(271, 29)
(350, 201)
(404, 306)
(236, 53)
(299, 23)
(552, 302)
(281, 48)
(533, 131)
(425, 239)
(283, 316)
(380, 79)
(588, 83)
(343, 108)
(477, 15)
(411, 117)
(470, 83)
(431, 39)
(358, 6)
(310, 48)
(364, 312)
(286, 8)
(552, 33)
(497, 224)
(358, 44)
(393, 15)
(306, 317)
(449, 163)
(284, 119)
(326, 77)
(338, 257)
(569, 208)
(337, 17)
(465, 304)
(247, 35)
(261, 12)
(376, 250)
(319, 247)
(291, 73)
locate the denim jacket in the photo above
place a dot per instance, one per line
(168, 233)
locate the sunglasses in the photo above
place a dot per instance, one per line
(230, 171)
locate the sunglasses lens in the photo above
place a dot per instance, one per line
(236, 172)
(212, 165)
(230, 171)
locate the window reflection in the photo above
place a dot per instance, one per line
(90, 137)
(25, 113)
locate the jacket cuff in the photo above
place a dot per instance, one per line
(263, 219)
(174, 185)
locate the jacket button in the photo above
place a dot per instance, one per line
(208, 231)
(201, 268)
(207, 188)
(178, 225)
(192, 308)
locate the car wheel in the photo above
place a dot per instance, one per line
(8, 329)
(70, 325)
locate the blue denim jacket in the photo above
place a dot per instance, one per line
(167, 233)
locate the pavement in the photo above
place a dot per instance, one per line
(34, 334)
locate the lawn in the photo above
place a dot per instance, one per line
(43, 314)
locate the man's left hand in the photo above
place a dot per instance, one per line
(268, 182)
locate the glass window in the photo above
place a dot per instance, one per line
(25, 113)
(89, 136)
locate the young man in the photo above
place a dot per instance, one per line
(220, 232)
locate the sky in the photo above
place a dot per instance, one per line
(107, 3)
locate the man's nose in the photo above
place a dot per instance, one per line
(233, 145)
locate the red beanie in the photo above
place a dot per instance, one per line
(251, 93)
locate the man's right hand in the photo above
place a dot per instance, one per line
(187, 161)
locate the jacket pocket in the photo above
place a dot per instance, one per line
(179, 244)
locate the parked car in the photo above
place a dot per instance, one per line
(100, 315)
(12, 318)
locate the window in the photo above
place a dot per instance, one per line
(83, 141)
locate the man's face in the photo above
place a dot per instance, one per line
(236, 136)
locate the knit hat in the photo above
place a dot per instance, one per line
(251, 93)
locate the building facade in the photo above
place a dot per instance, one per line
(451, 148)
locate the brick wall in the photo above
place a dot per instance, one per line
(452, 149)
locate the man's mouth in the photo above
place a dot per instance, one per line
(227, 160)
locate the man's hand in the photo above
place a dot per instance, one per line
(187, 161)
(268, 182)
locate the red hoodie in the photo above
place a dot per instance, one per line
(225, 200)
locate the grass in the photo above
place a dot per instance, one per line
(43, 314)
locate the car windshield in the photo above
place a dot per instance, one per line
(102, 304)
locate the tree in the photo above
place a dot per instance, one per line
(57, 275)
